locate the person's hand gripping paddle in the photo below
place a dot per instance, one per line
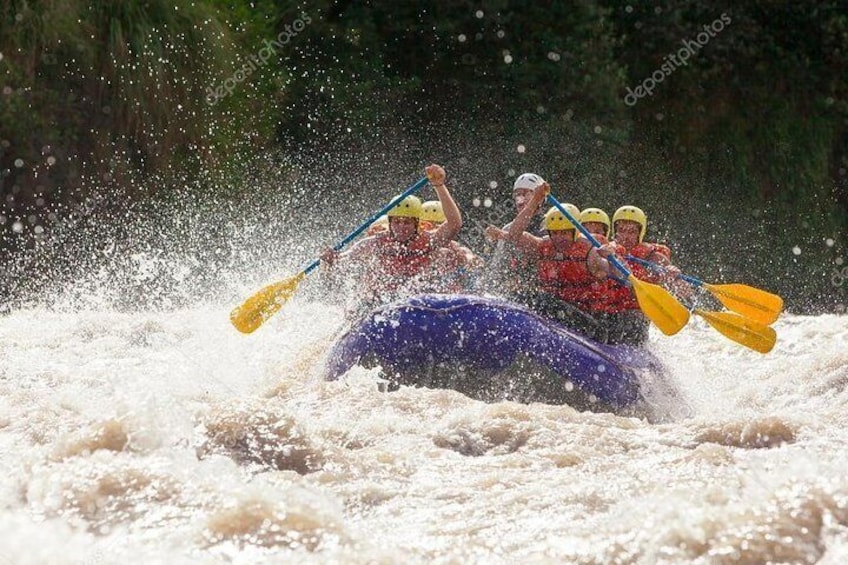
(254, 311)
(659, 305)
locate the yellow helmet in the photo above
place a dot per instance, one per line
(595, 215)
(633, 214)
(555, 220)
(409, 207)
(431, 211)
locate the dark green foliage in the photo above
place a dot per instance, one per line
(740, 155)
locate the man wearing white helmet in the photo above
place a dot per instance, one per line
(510, 271)
(522, 191)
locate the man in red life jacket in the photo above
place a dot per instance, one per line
(630, 224)
(394, 260)
(567, 267)
(621, 314)
(452, 266)
(597, 222)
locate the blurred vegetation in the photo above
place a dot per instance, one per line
(742, 150)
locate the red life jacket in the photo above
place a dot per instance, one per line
(399, 262)
(644, 251)
(601, 291)
(622, 297)
(564, 274)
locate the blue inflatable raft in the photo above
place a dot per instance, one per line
(491, 349)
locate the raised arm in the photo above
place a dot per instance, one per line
(522, 220)
(517, 228)
(453, 217)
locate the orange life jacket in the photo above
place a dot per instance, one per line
(622, 297)
(643, 251)
(398, 262)
(600, 296)
(564, 274)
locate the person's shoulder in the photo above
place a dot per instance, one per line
(661, 249)
(371, 240)
(427, 237)
(543, 243)
(585, 245)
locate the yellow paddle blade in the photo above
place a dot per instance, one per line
(742, 330)
(753, 303)
(264, 304)
(660, 306)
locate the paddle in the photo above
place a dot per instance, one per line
(267, 301)
(656, 303)
(757, 304)
(748, 332)
(742, 330)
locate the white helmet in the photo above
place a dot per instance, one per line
(527, 181)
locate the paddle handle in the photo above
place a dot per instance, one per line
(588, 235)
(622, 282)
(660, 268)
(352, 235)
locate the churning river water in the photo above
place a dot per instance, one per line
(168, 437)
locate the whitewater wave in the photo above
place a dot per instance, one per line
(169, 437)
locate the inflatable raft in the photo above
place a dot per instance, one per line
(491, 349)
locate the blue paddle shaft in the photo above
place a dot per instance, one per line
(611, 258)
(660, 268)
(352, 235)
